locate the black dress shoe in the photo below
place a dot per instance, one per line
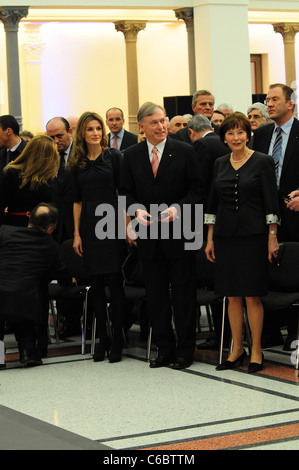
(114, 357)
(30, 359)
(161, 361)
(254, 367)
(232, 364)
(182, 363)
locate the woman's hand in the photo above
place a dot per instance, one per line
(209, 251)
(77, 245)
(273, 247)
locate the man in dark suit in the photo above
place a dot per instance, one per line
(202, 103)
(208, 146)
(281, 110)
(10, 142)
(161, 175)
(280, 104)
(118, 137)
(59, 129)
(29, 260)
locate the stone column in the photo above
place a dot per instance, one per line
(10, 17)
(130, 29)
(31, 86)
(288, 32)
(222, 54)
(186, 14)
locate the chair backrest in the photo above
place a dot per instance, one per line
(285, 276)
(73, 262)
(205, 270)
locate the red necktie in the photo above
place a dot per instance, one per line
(115, 142)
(155, 161)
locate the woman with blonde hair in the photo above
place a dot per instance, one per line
(24, 183)
(96, 175)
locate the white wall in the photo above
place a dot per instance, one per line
(83, 66)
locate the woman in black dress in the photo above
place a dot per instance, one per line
(96, 170)
(242, 217)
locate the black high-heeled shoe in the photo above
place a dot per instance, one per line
(254, 367)
(101, 351)
(232, 364)
(114, 357)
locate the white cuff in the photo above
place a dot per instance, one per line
(210, 219)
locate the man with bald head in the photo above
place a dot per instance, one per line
(119, 137)
(59, 129)
(176, 123)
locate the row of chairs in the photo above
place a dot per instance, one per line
(283, 293)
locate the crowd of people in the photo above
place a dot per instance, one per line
(59, 185)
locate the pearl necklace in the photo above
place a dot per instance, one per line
(238, 161)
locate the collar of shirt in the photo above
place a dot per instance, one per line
(120, 135)
(15, 147)
(208, 132)
(67, 152)
(159, 147)
(286, 127)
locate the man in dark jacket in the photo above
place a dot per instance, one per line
(11, 144)
(29, 260)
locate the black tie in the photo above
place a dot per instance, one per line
(8, 156)
(61, 168)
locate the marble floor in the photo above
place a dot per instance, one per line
(73, 403)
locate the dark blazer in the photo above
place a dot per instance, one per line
(62, 197)
(242, 199)
(178, 181)
(289, 180)
(207, 149)
(128, 139)
(29, 259)
(14, 155)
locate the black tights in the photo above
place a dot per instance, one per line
(114, 281)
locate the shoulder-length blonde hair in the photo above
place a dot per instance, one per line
(78, 157)
(38, 162)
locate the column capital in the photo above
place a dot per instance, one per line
(11, 16)
(185, 14)
(32, 46)
(130, 29)
(287, 30)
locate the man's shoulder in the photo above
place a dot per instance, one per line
(130, 134)
(264, 129)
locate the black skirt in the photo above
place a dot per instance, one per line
(241, 266)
